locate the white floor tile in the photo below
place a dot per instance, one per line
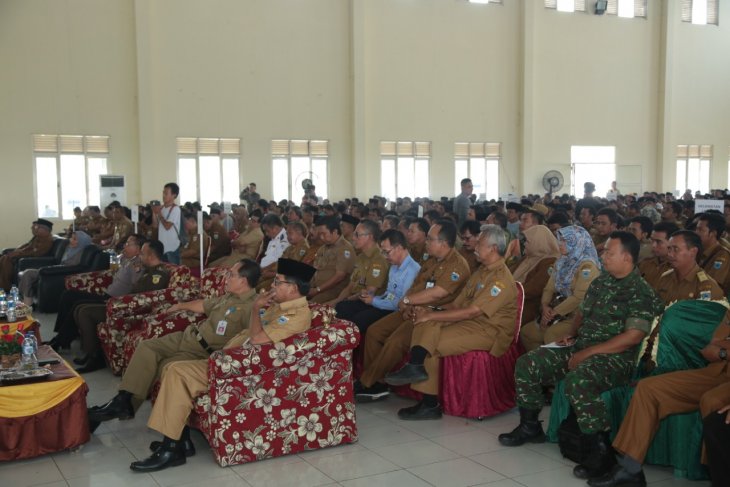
(447, 425)
(470, 443)
(293, 474)
(35, 471)
(562, 477)
(352, 465)
(455, 473)
(399, 478)
(514, 462)
(117, 478)
(384, 435)
(415, 453)
(200, 468)
(93, 461)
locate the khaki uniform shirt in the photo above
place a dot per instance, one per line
(371, 270)
(450, 274)
(338, 257)
(296, 252)
(36, 247)
(122, 229)
(492, 289)
(652, 269)
(311, 253)
(716, 263)
(471, 259)
(190, 253)
(587, 272)
(645, 250)
(228, 315)
(696, 285)
(280, 321)
(219, 241)
(157, 277)
(418, 253)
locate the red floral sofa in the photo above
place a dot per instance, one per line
(131, 312)
(271, 400)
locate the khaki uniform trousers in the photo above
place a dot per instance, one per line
(657, 397)
(329, 294)
(87, 316)
(533, 336)
(182, 382)
(445, 339)
(386, 342)
(150, 358)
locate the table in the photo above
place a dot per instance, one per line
(43, 417)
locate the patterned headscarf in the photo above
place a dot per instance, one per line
(580, 249)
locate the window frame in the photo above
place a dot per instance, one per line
(398, 152)
(51, 146)
(690, 152)
(687, 8)
(489, 152)
(312, 150)
(197, 147)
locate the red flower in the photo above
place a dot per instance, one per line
(21, 326)
(5, 329)
(8, 338)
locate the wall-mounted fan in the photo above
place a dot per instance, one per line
(552, 181)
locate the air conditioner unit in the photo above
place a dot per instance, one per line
(112, 189)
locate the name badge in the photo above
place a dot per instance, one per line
(221, 328)
(430, 284)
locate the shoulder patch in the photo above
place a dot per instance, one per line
(425, 256)
(551, 269)
(346, 254)
(156, 278)
(376, 272)
(455, 276)
(706, 295)
(282, 319)
(302, 252)
(718, 264)
(586, 273)
(495, 291)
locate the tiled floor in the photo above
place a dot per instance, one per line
(450, 452)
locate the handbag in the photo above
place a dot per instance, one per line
(574, 445)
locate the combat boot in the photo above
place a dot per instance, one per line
(529, 430)
(601, 458)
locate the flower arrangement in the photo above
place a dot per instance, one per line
(11, 343)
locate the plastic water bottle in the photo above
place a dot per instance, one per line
(3, 302)
(10, 313)
(15, 293)
(29, 359)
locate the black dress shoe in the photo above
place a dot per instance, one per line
(376, 392)
(166, 456)
(420, 412)
(82, 360)
(118, 408)
(188, 447)
(619, 477)
(92, 365)
(408, 374)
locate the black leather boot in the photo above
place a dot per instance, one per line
(619, 477)
(118, 408)
(188, 446)
(170, 454)
(529, 430)
(601, 458)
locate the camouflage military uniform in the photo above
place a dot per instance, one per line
(611, 306)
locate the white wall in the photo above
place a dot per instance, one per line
(356, 72)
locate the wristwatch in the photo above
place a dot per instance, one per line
(406, 301)
(722, 354)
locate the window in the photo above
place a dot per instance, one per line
(67, 170)
(404, 169)
(693, 168)
(595, 164)
(208, 169)
(566, 5)
(626, 8)
(485, 1)
(295, 161)
(700, 12)
(479, 162)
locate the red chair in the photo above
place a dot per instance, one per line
(270, 400)
(477, 384)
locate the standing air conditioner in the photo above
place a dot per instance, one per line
(112, 189)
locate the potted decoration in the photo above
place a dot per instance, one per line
(10, 346)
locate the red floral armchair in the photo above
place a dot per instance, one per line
(95, 282)
(137, 317)
(271, 400)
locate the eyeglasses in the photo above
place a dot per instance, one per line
(358, 234)
(467, 237)
(386, 252)
(278, 282)
(432, 239)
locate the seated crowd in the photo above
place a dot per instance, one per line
(423, 280)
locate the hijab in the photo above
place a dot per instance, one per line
(541, 244)
(580, 249)
(72, 255)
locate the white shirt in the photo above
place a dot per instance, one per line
(275, 249)
(169, 238)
